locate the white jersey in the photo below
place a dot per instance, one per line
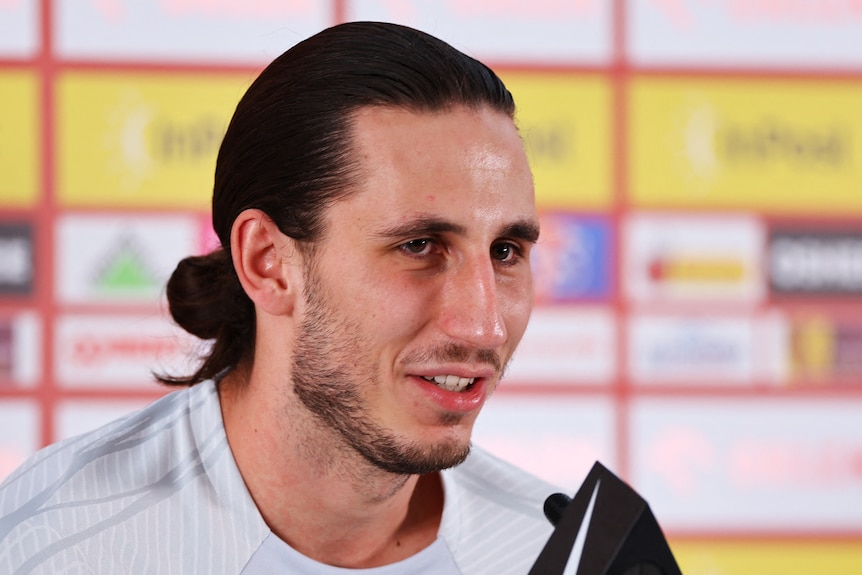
(159, 492)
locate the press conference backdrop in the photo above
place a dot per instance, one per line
(698, 166)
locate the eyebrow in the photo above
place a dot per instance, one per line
(525, 230)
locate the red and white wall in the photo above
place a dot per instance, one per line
(699, 279)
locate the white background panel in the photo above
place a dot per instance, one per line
(550, 31)
(783, 33)
(773, 465)
(19, 433)
(556, 437)
(568, 346)
(26, 349)
(186, 30)
(19, 28)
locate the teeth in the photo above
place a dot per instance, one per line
(451, 382)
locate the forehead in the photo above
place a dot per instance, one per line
(461, 163)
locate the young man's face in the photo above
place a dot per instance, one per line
(420, 289)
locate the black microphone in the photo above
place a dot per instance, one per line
(554, 506)
(605, 529)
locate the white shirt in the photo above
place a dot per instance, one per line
(159, 492)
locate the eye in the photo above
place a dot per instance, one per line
(506, 252)
(417, 247)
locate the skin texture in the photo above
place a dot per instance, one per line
(423, 271)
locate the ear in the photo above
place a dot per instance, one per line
(266, 261)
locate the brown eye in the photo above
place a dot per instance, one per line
(505, 252)
(416, 247)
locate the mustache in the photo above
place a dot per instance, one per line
(455, 353)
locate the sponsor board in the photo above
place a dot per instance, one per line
(767, 465)
(705, 350)
(141, 140)
(788, 33)
(780, 146)
(185, 30)
(20, 349)
(567, 347)
(824, 350)
(19, 142)
(698, 257)
(112, 258)
(17, 259)
(565, 124)
(121, 351)
(815, 262)
(73, 417)
(19, 29)
(511, 31)
(557, 438)
(19, 428)
(788, 557)
(572, 259)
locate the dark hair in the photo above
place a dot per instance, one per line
(287, 152)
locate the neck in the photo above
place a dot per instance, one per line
(318, 494)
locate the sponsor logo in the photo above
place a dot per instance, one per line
(825, 350)
(685, 269)
(691, 349)
(815, 262)
(707, 257)
(16, 259)
(120, 258)
(789, 147)
(768, 141)
(572, 259)
(565, 123)
(125, 269)
(724, 463)
(557, 438)
(119, 350)
(567, 347)
(150, 141)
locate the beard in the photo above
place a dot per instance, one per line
(332, 368)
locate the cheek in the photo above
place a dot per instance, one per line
(394, 306)
(517, 308)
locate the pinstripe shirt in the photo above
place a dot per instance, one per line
(159, 492)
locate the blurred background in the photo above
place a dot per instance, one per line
(698, 166)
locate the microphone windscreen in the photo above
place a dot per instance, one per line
(554, 506)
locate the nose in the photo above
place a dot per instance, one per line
(471, 311)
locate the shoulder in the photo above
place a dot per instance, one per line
(74, 500)
(493, 516)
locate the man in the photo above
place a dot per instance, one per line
(376, 214)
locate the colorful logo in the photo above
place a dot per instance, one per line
(573, 258)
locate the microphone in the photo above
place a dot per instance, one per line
(605, 529)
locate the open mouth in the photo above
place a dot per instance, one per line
(451, 382)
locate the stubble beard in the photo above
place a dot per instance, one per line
(330, 371)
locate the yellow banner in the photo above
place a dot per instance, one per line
(565, 123)
(782, 146)
(767, 558)
(141, 140)
(19, 139)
